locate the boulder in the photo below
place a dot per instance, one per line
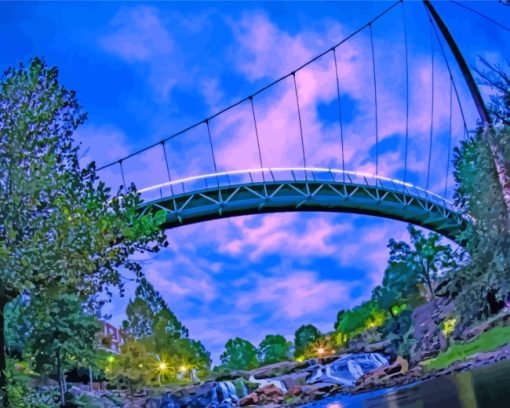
(294, 379)
(427, 321)
(232, 375)
(277, 369)
(250, 399)
(383, 374)
(295, 390)
(270, 390)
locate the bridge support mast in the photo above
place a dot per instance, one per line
(489, 131)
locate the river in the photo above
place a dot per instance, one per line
(486, 387)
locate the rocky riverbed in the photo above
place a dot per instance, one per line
(365, 367)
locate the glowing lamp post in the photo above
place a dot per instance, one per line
(162, 367)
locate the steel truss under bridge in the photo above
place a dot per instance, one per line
(227, 194)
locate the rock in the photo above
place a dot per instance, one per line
(75, 391)
(296, 390)
(379, 347)
(277, 369)
(232, 375)
(294, 379)
(501, 319)
(382, 374)
(270, 390)
(165, 401)
(250, 399)
(427, 321)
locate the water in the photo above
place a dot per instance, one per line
(347, 369)
(487, 387)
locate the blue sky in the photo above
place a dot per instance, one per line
(146, 70)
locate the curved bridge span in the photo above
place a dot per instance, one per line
(268, 190)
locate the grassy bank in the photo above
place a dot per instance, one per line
(489, 341)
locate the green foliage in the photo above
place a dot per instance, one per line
(150, 320)
(273, 348)
(149, 313)
(18, 386)
(360, 318)
(485, 342)
(422, 262)
(239, 354)
(62, 335)
(132, 368)
(304, 336)
(487, 240)
(60, 227)
(482, 168)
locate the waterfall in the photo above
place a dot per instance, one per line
(347, 369)
(228, 392)
(278, 383)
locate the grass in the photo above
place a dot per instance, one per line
(487, 341)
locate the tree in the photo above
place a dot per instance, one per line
(61, 333)
(426, 258)
(400, 287)
(59, 225)
(190, 354)
(273, 348)
(482, 195)
(359, 319)
(148, 313)
(304, 336)
(132, 368)
(239, 354)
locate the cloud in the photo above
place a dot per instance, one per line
(301, 293)
(137, 34)
(283, 233)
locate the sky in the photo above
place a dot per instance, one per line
(144, 71)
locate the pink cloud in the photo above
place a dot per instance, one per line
(296, 295)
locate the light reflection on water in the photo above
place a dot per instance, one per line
(487, 387)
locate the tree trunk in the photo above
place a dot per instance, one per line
(3, 380)
(91, 379)
(60, 376)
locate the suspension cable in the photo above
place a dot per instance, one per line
(407, 90)
(449, 143)
(122, 173)
(443, 52)
(256, 132)
(212, 150)
(376, 107)
(339, 112)
(481, 15)
(432, 80)
(167, 167)
(239, 102)
(300, 123)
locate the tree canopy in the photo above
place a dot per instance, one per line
(304, 336)
(239, 354)
(60, 226)
(273, 348)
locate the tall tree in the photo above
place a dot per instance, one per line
(61, 332)
(482, 197)
(59, 225)
(148, 313)
(273, 348)
(426, 257)
(239, 354)
(304, 336)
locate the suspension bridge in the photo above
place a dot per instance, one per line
(269, 152)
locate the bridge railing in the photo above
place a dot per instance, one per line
(236, 178)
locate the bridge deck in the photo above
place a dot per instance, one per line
(247, 192)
